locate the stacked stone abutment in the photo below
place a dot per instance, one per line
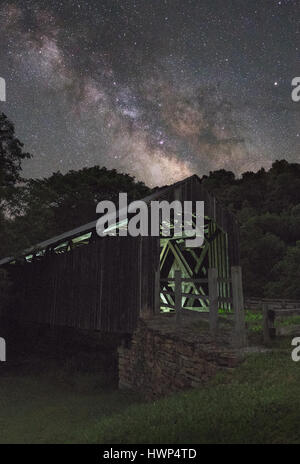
(162, 359)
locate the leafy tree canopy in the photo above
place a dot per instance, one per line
(43, 208)
(11, 155)
(267, 204)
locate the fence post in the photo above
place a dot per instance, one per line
(177, 296)
(213, 299)
(238, 307)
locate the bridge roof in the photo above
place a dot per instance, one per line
(190, 188)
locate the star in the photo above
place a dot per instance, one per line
(103, 78)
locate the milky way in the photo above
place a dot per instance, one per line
(158, 89)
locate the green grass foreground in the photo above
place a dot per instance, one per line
(258, 402)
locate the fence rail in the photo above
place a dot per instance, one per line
(270, 331)
(185, 279)
(214, 299)
(256, 303)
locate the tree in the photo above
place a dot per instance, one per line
(285, 275)
(11, 156)
(259, 253)
(47, 207)
(267, 204)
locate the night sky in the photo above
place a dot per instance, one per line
(160, 89)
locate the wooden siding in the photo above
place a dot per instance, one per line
(95, 287)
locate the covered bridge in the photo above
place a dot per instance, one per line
(81, 280)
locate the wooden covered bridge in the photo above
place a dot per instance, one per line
(81, 280)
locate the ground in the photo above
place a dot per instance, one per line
(58, 402)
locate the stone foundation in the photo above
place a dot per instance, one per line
(162, 358)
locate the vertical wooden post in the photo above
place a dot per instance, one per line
(213, 299)
(177, 296)
(238, 307)
(266, 329)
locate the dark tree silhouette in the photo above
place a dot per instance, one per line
(47, 207)
(11, 155)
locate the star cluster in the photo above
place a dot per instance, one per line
(160, 89)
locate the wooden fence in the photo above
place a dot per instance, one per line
(215, 300)
(270, 331)
(256, 303)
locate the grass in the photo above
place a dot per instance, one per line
(55, 408)
(286, 321)
(254, 320)
(47, 401)
(258, 402)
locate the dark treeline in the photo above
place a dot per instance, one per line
(267, 204)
